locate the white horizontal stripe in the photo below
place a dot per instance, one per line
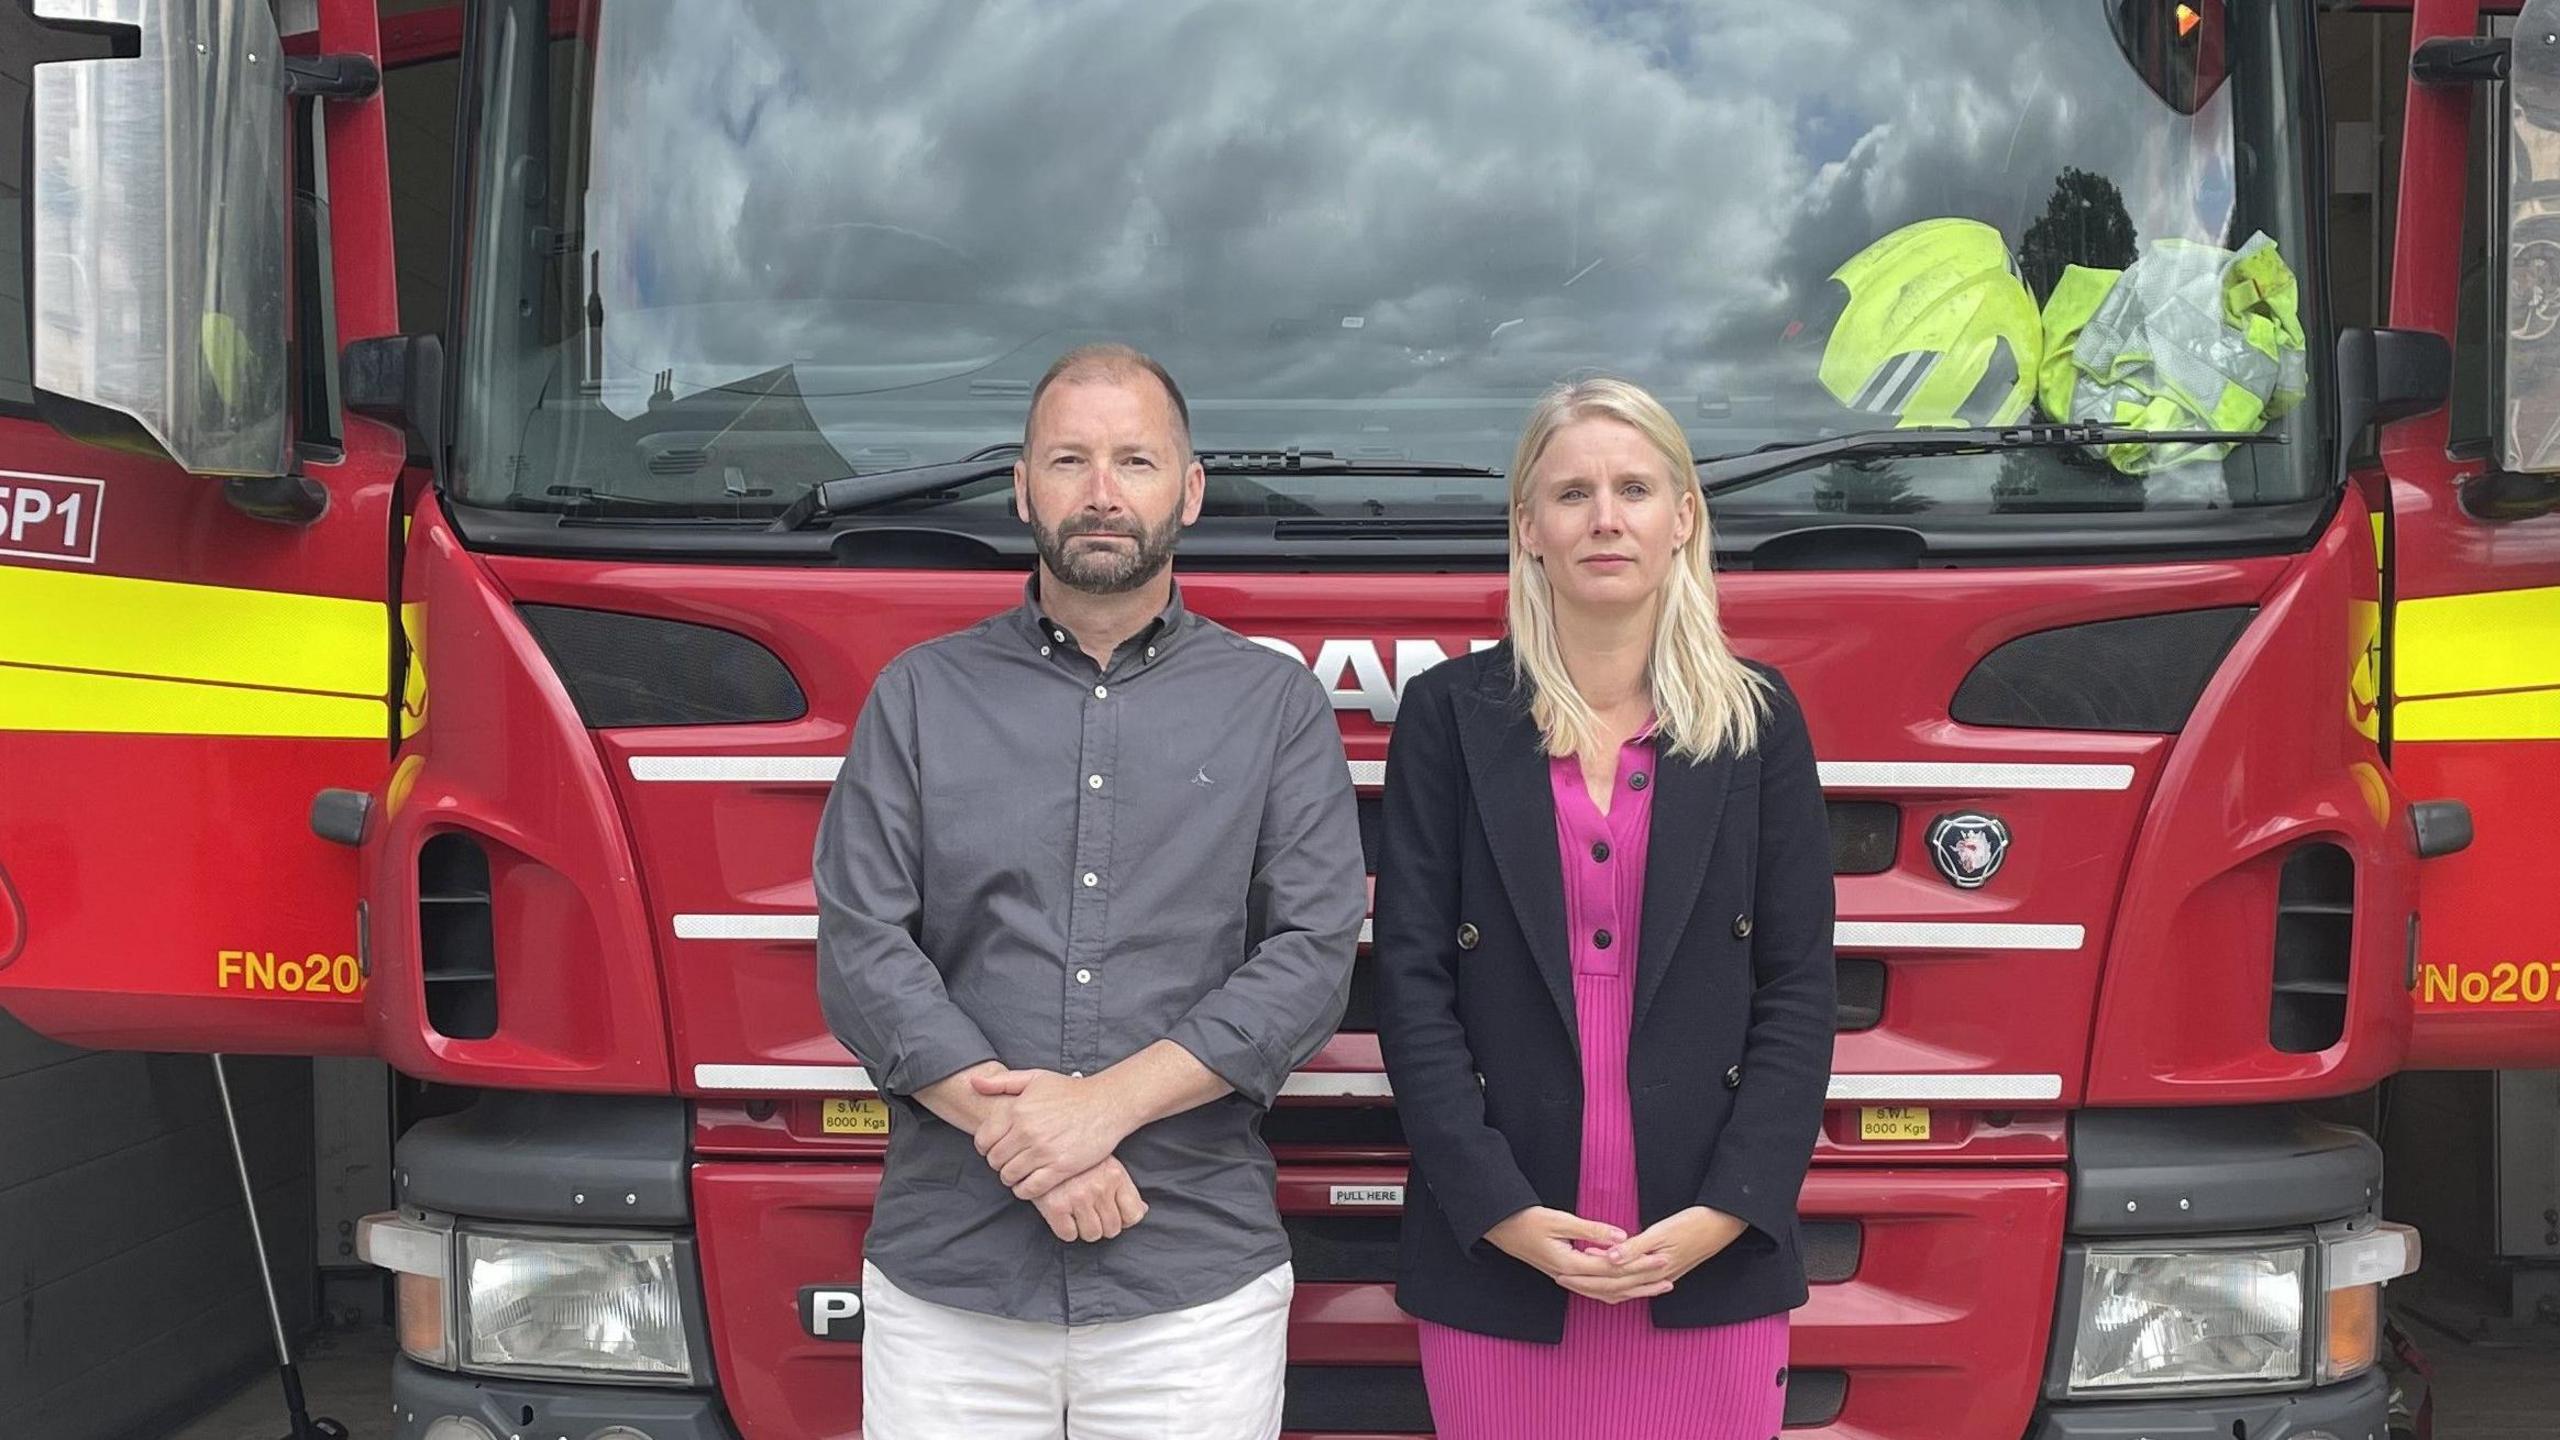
(1836, 774)
(771, 769)
(821, 769)
(1966, 775)
(781, 1077)
(1370, 1084)
(1949, 1088)
(1334, 1083)
(746, 927)
(1848, 934)
(1954, 935)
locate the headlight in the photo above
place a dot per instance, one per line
(576, 1306)
(548, 1306)
(2191, 1319)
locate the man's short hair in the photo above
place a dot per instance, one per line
(1110, 360)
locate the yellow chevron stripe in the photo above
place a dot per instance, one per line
(2516, 715)
(73, 620)
(130, 705)
(2465, 644)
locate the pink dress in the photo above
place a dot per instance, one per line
(1615, 1375)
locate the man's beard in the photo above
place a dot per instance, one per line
(1107, 570)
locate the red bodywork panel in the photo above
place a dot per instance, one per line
(2184, 1020)
(1950, 1312)
(1947, 1315)
(1874, 655)
(2489, 952)
(504, 757)
(159, 880)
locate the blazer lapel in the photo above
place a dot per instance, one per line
(1688, 808)
(1517, 802)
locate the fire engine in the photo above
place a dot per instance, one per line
(463, 692)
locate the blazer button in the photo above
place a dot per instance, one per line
(1468, 935)
(1741, 927)
(1733, 1077)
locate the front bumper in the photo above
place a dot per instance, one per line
(420, 1397)
(2357, 1410)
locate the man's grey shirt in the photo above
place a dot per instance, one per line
(1033, 859)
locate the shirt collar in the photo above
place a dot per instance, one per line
(1158, 634)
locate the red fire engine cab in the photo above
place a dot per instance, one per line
(464, 694)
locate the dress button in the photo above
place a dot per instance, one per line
(1741, 927)
(1044, 649)
(1091, 879)
(1600, 850)
(1093, 782)
(1467, 937)
(1733, 1077)
(1084, 977)
(1636, 781)
(1101, 691)
(1600, 939)
(1078, 1075)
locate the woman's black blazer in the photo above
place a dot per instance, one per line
(1730, 1051)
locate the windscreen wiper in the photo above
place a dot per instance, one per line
(1724, 474)
(856, 493)
(1294, 461)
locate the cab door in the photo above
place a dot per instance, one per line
(186, 659)
(2472, 641)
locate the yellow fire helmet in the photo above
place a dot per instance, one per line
(1938, 329)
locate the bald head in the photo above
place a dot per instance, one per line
(1112, 364)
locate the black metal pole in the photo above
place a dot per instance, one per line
(296, 1409)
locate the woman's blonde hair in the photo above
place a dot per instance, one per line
(1705, 700)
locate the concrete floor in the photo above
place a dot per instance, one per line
(2494, 1387)
(346, 1377)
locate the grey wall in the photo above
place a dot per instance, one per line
(128, 1292)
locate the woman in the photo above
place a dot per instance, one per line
(1604, 970)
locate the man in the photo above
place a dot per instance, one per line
(1089, 886)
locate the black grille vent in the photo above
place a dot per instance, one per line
(1860, 1002)
(1362, 1013)
(1343, 1249)
(1334, 1127)
(2141, 674)
(457, 944)
(1864, 834)
(2315, 933)
(1390, 1398)
(625, 670)
(1372, 810)
(1356, 1399)
(1815, 1397)
(682, 460)
(1831, 1250)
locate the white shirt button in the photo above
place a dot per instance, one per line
(1093, 782)
(1091, 879)
(1100, 691)
(1044, 649)
(1151, 652)
(1075, 1074)
(1084, 977)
